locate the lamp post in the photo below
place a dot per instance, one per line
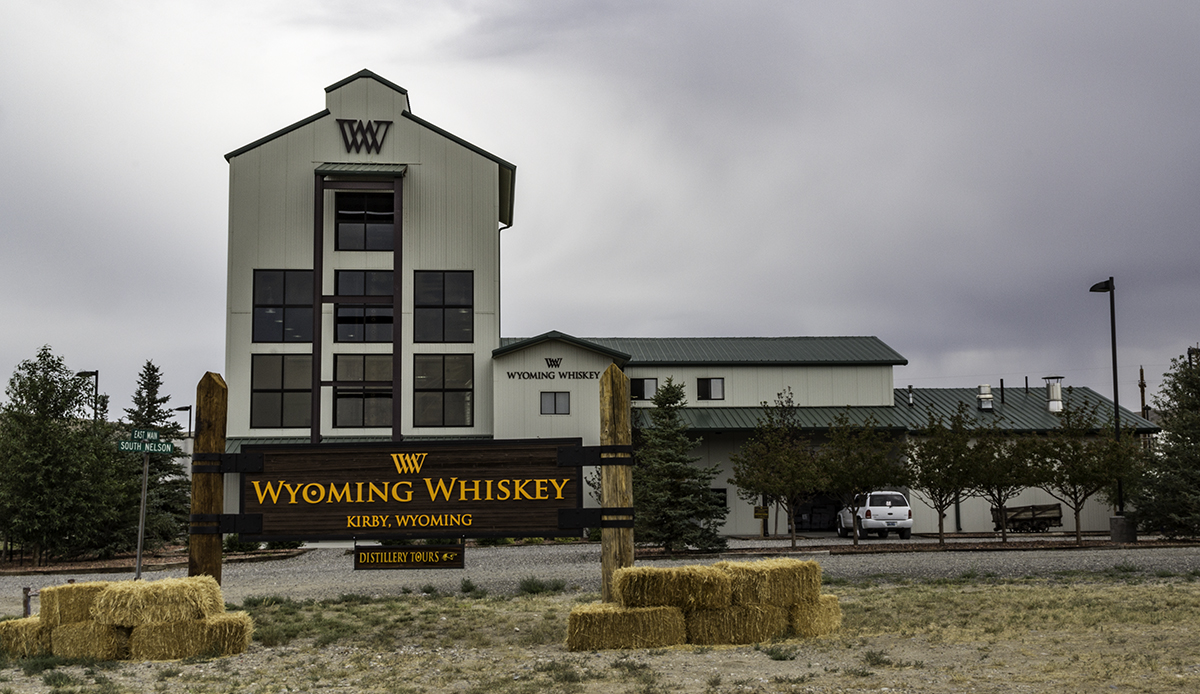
(95, 390)
(1121, 530)
(189, 411)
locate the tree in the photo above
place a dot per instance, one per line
(778, 461)
(1002, 469)
(674, 506)
(939, 462)
(62, 486)
(859, 458)
(1077, 460)
(1166, 496)
(168, 489)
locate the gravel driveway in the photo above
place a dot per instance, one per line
(328, 571)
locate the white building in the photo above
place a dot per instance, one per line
(364, 304)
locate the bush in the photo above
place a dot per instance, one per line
(289, 544)
(234, 545)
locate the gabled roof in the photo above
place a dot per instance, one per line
(509, 345)
(748, 351)
(1020, 412)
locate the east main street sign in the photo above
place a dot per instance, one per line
(411, 490)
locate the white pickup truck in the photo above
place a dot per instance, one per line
(878, 513)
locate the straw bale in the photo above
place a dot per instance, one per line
(24, 638)
(737, 624)
(783, 582)
(810, 619)
(133, 603)
(69, 603)
(685, 587)
(604, 625)
(218, 635)
(90, 640)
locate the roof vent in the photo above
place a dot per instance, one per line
(910, 395)
(985, 397)
(1054, 400)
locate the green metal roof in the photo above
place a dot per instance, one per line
(1020, 412)
(743, 351)
(516, 345)
(361, 169)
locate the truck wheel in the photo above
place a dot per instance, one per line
(882, 534)
(905, 533)
(863, 533)
(841, 530)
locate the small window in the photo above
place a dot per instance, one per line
(364, 282)
(363, 323)
(710, 389)
(443, 306)
(443, 390)
(283, 306)
(642, 388)
(365, 221)
(556, 403)
(280, 391)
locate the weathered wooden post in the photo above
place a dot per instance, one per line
(616, 481)
(208, 488)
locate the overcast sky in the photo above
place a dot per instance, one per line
(951, 177)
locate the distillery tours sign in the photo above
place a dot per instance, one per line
(410, 490)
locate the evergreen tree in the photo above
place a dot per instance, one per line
(859, 459)
(1166, 498)
(674, 506)
(168, 496)
(779, 461)
(939, 462)
(63, 490)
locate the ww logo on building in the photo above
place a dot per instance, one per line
(408, 463)
(357, 134)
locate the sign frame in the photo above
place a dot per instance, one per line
(331, 467)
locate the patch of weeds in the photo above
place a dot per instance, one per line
(430, 590)
(57, 679)
(778, 651)
(1164, 573)
(536, 586)
(534, 540)
(713, 681)
(632, 669)
(1125, 568)
(559, 671)
(793, 679)
(858, 672)
(877, 658)
(701, 650)
(168, 673)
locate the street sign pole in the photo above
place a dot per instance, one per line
(142, 515)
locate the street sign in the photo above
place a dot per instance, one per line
(145, 447)
(144, 435)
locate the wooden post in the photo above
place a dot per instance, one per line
(616, 481)
(208, 488)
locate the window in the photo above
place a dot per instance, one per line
(443, 386)
(365, 221)
(710, 389)
(280, 390)
(366, 406)
(283, 306)
(642, 388)
(363, 282)
(556, 403)
(364, 323)
(443, 306)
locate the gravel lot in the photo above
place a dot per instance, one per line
(328, 571)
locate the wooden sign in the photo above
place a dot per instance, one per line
(414, 557)
(508, 488)
(761, 512)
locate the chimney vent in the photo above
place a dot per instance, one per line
(1054, 401)
(985, 397)
(910, 395)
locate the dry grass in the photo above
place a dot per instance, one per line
(1079, 633)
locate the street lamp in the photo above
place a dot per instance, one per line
(189, 411)
(95, 390)
(1119, 527)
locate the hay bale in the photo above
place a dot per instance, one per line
(737, 624)
(134, 603)
(811, 619)
(218, 635)
(782, 582)
(685, 587)
(90, 640)
(24, 638)
(69, 603)
(601, 626)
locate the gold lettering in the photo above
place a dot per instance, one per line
(407, 495)
(489, 491)
(559, 487)
(292, 491)
(273, 491)
(502, 485)
(333, 493)
(540, 487)
(359, 499)
(462, 490)
(308, 488)
(441, 488)
(372, 490)
(519, 490)
(352, 522)
(466, 519)
(408, 462)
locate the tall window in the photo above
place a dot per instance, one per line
(368, 404)
(283, 301)
(556, 403)
(280, 391)
(642, 388)
(443, 390)
(443, 306)
(368, 322)
(710, 389)
(365, 221)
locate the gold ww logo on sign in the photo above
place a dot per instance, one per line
(408, 463)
